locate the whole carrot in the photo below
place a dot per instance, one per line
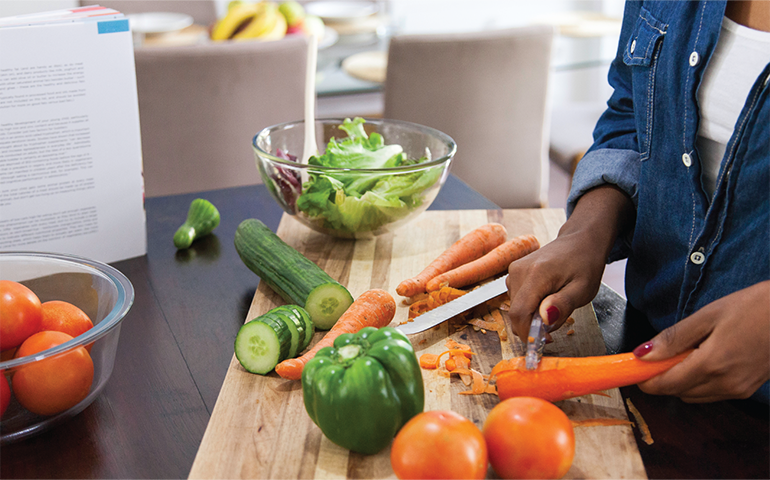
(374, 308)
(492, 263)
(559, 378)
(470, 247)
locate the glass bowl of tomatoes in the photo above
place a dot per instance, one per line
(60, 318)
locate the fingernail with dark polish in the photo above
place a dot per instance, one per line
(643, 349)
(553, 314)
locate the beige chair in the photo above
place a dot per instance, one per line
(488, 91)
(203, 12)
(200, 106)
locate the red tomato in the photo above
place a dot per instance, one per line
(20, 313)
(6, 355)
(529, 438)
(55, 384)
(5, 393)
(64, 317)
(439, 444)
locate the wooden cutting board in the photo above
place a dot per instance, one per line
(259, 427)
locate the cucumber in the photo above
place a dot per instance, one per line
(202, 219)
(304, 317)
(290, 274)
(262, 343)
(294, 324)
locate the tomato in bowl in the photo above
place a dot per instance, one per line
(54, 375)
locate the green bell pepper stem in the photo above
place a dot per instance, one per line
(364, 388)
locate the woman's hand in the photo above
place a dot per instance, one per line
(566, 273)
(731, 337)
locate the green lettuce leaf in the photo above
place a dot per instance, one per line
(362, 203)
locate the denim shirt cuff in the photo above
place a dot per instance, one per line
(607, 166)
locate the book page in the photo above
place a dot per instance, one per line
(70, 149)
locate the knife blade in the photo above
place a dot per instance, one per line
(535, 342)
(457, 306)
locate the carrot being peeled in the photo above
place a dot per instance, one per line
(474, 245)
(494, 262)
(559, 378)
(374, 308)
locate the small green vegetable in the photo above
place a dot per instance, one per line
(202, 219)
(361, 391)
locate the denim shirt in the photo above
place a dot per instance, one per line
(686, 249)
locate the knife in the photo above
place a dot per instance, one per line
(457, 306)
(535, 342)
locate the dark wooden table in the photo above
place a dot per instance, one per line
(176, 345)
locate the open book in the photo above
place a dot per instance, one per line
(70, 145)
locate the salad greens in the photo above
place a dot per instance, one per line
(361, 203)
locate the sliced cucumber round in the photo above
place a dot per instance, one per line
(294, 324)
(326, 303)
(261, 344)
(309, 327)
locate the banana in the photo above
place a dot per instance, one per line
(234, 3)
(263, 23)
(278, 31)
(236, 16)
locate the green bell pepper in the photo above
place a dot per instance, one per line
(361, 391)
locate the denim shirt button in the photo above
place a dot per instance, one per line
(694, 59)
(633, 46)
(686, 159)
(697, 258)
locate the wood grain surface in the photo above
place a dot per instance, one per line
(259, 427)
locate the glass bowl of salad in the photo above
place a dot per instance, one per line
(61, 318)
(368, 177)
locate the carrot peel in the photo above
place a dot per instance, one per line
(433, 300)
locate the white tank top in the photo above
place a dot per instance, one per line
(739, 57)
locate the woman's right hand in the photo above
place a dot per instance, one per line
(566, 273)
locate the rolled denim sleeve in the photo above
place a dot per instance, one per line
(607, 166)
(600, 167)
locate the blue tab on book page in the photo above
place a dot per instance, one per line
(113, 26)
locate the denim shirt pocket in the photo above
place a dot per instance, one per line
(640, 54)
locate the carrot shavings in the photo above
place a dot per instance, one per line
(644, 429)
(600, 422)
(478, 387)
(459, 363)
(429, 361)
(416, 298)
(453, 345)
(450, 364)
(433, 300)
(492, 321)
(484, 324)
(497, 317)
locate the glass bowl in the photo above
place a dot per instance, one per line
(388, 197)
(101, 291)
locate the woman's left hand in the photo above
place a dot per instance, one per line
(731, 337)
